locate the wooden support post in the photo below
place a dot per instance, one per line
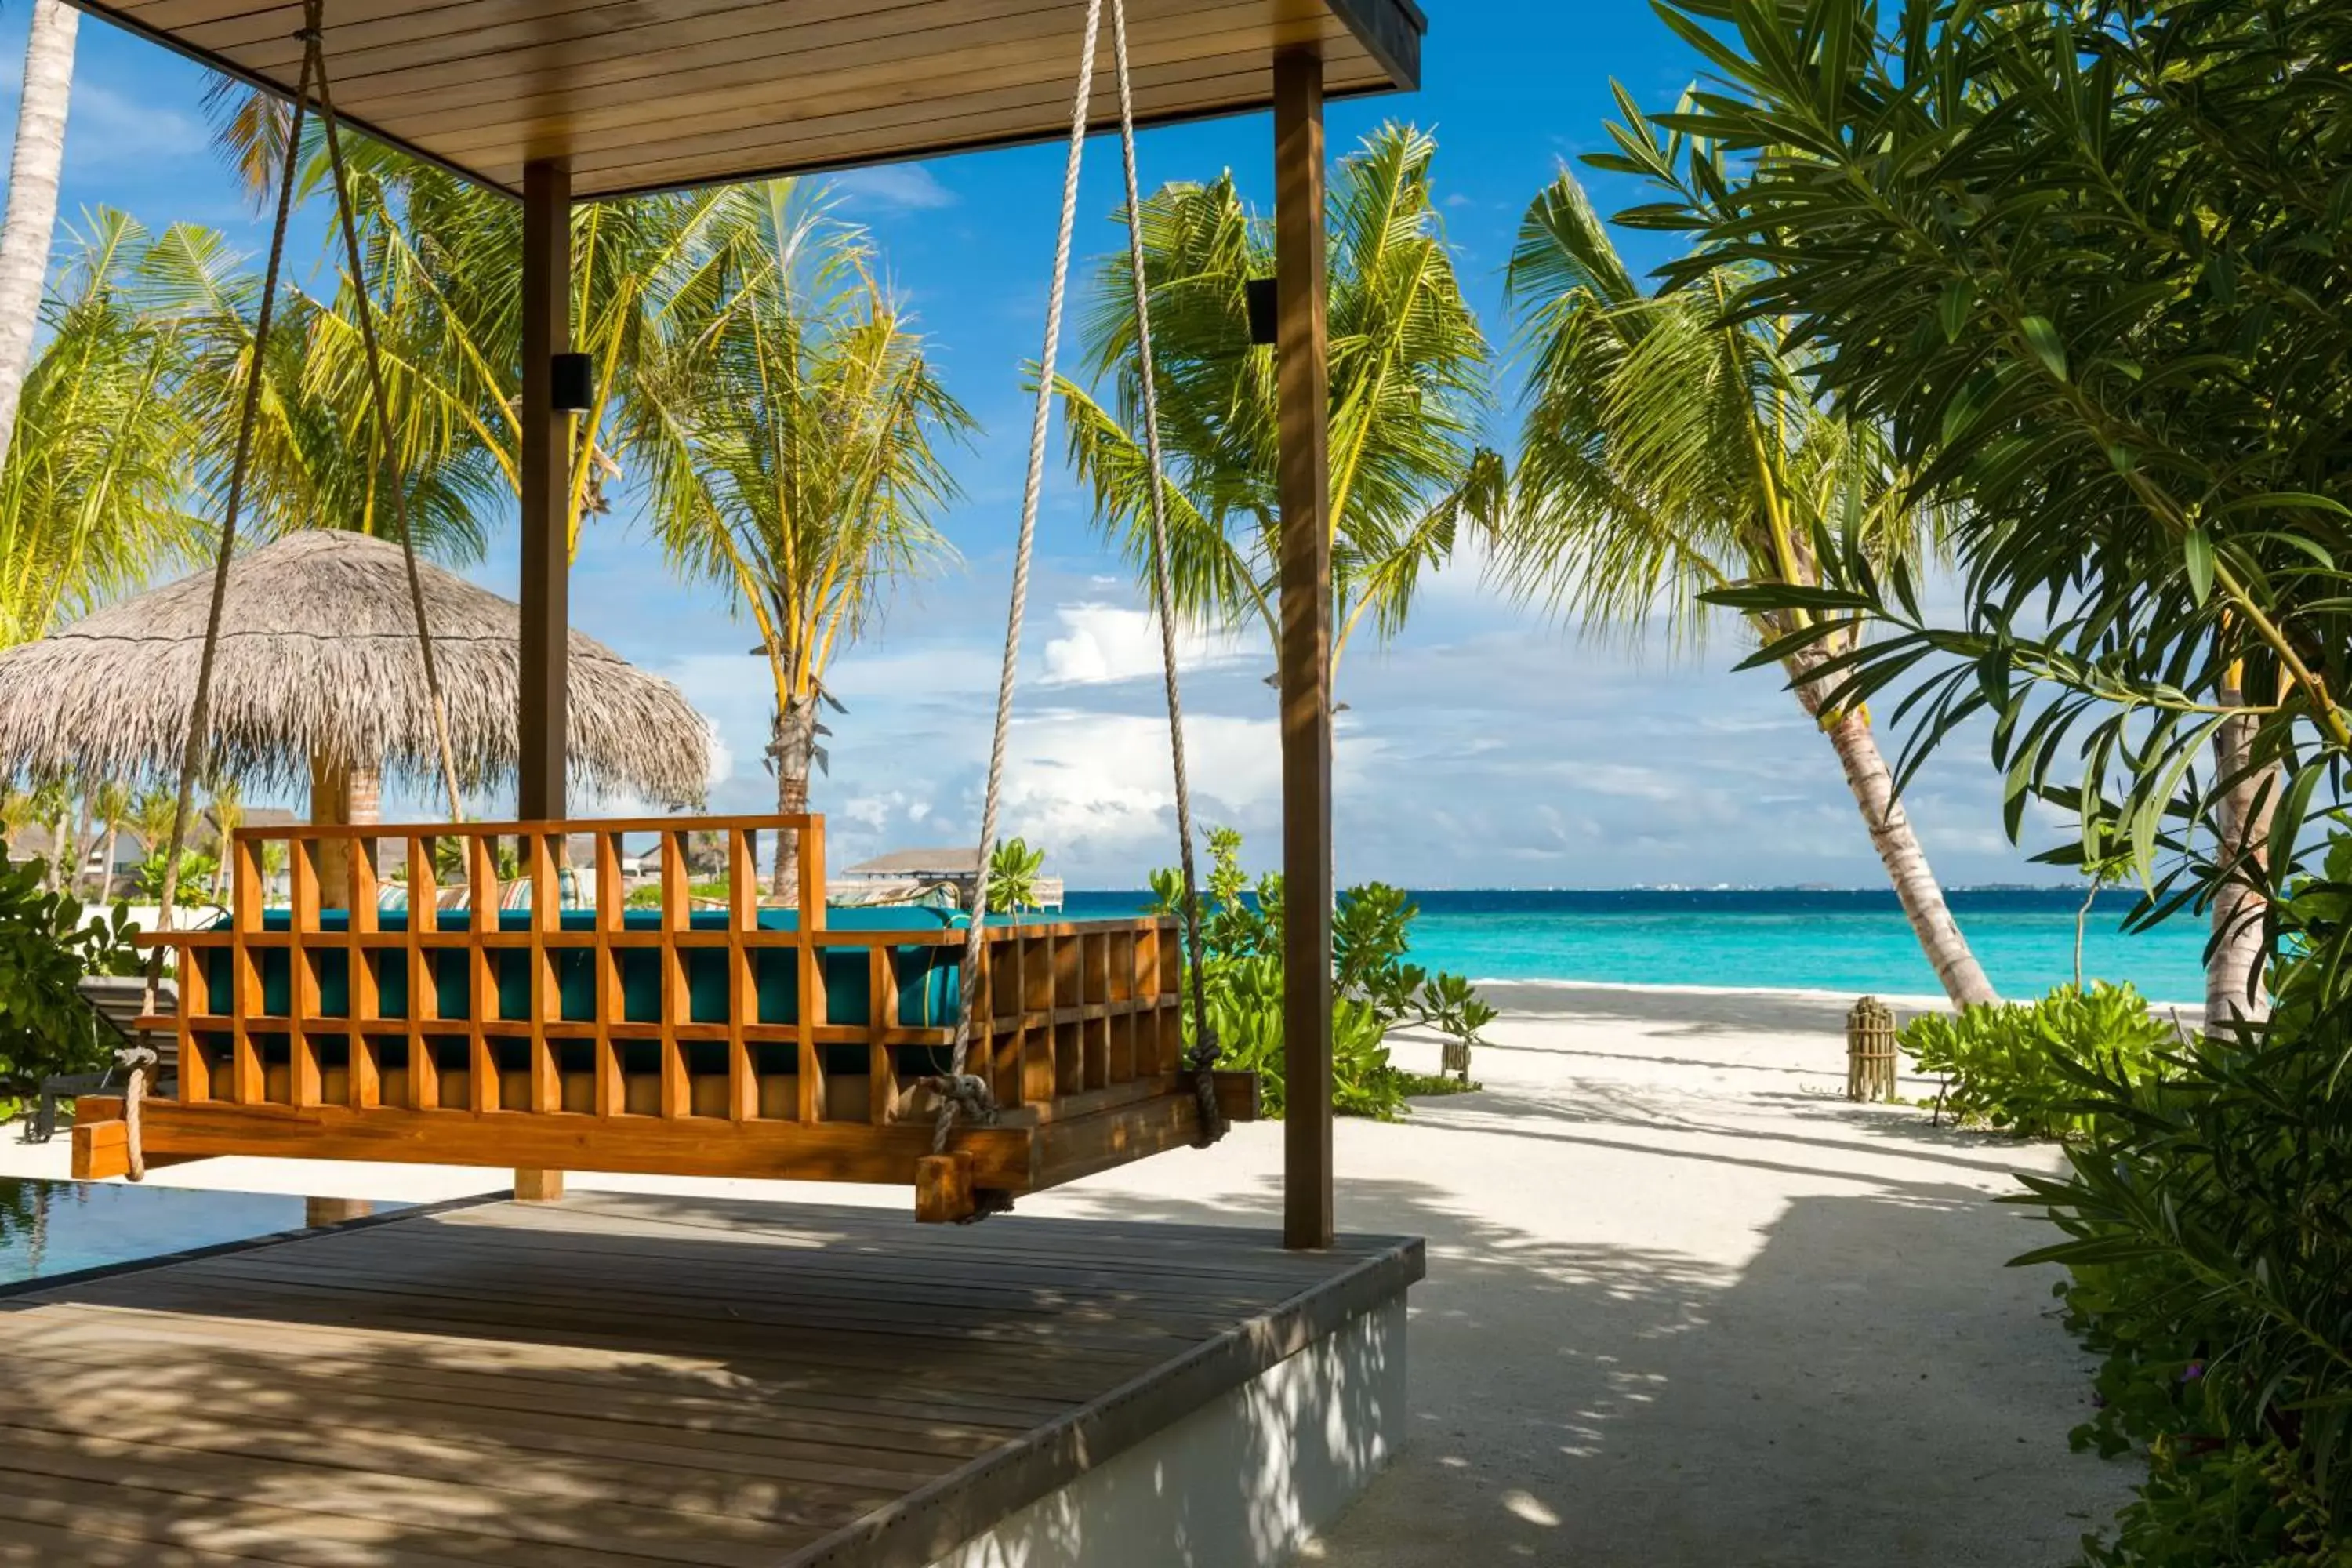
(546, 532)
(539, 1186)
(546, 488)
(316, 1212)
(1303, 420)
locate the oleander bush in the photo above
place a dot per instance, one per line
(2024, 1067)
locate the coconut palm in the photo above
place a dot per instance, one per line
(152, 811)
(39, 806)
(70, 839)
(1665, 453)
(91, 496)
(791, 426)
(313, 462)
(109, 811)
(443, 259)
(33, 172)
(1409, 369)
(227, 813)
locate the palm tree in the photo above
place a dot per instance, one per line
(443, 259)
(92, 493)
(72, 840)
(1667, 451)
(1409, 369)
(33, 171)
(227, 813)
(152, 813)
(22, 808)
(791, 423)
(109, 810)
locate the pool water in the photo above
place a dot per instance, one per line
(49, 1228)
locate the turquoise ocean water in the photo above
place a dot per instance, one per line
(1797, 939)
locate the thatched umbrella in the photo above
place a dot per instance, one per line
(320, 679)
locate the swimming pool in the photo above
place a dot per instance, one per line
(47, 1228)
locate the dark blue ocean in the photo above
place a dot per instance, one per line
(1783, 939)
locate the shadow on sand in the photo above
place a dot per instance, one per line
(1852, 1396)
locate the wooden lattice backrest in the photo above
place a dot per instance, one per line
(346, 995)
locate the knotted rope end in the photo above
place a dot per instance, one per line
(1201, 1062)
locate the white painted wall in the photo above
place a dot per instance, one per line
(1241, 1482)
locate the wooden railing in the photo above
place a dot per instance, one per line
(341, 998)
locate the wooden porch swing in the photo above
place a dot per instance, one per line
(364, 1021)
(742, 1042)
(747, 1040)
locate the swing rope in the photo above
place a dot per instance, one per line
(1202, 1057)
(961, 1093)
(140, 1061)
(315, 54)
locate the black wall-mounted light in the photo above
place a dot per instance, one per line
(1262, 323)
(571, 384)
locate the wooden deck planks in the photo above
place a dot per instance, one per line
(615, 1381)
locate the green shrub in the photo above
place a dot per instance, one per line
(2208, 1212)
(45, 1026)
(1013, 870)
(198, 871)
(2020, 1067)
(1374, 987)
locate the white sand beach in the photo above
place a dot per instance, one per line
(1684, 1306)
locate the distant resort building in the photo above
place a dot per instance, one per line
(919, 875)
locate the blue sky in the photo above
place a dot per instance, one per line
(1485, 748)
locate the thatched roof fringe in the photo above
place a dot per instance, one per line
(319, 655)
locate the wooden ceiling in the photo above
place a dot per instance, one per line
(638, 95)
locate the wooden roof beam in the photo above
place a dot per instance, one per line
(1390, 32)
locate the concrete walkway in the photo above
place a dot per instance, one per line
(1686, 1307)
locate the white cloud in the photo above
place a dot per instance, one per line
(903, 188)
(871, 812)
(1098, 789)
(1101, 643)
(719, 758)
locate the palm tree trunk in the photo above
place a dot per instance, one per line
(792, 751)
(106, 862)
(62, 848)
(2081, 925)
(33, 195)
(791, 800)
(340, 794)
(2233, 978)
(1915, 888)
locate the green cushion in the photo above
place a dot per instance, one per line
(927, 974)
